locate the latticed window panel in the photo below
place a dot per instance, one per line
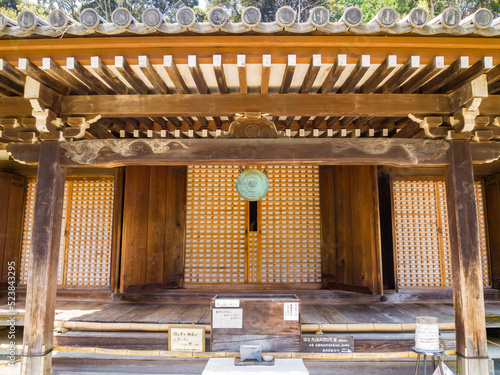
(286, 248)
(85, 248)
(422, 233)
(215, 226)
(291, 234)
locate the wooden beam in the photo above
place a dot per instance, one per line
(377, 105)
(408, 68)
(311, 74)
(10, 87)
(242, 73)
(219, 74)
(42, 97)
(381, 73)
(30, 69)
(44, 256)
(78, 71)
(470, 328)
(147, 69)
(10, 72)
(103, 72)
(356, 75)
(59, 74)
(480, 67)
(426, 73)
(197, 74)
(449, 74)
(124, 69)
(266, 74)
(288, 74)
(175, 76)
(307, 151)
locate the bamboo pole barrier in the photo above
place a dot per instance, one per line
(165, 353)
(306, 328)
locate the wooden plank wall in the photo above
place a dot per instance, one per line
(350, 228)
(492, 192)
(154, 224)
(12, 189)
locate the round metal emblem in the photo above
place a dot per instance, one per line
(58, 19)
(250, 16)
(89, 18)
(252, 131)
(319, 16)
(27, 20)
(217, 17)
(418, 17)
(121, 17)
(483, 18)
(285, 16)
(252, 185)
(451, 17)
(152, 18)
(185, 17)
(353, 16)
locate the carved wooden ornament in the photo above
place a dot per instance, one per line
(422, 151)
(252, 128)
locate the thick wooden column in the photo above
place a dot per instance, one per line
(42, 274)
(472, 351)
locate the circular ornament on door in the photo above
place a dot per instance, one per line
(252, 185)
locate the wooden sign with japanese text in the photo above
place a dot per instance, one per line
(186, 339)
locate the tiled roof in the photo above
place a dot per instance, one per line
(387, 21)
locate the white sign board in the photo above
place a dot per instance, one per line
(227, 303)
(186, 339)
(291, 311)
(227, 318)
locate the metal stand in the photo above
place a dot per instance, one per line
(434, 353)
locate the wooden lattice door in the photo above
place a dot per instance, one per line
(274, 240)
(423, 256)
(85, 244)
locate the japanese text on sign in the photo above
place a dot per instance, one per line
(227, 318)
(291, 311)
(186, 339)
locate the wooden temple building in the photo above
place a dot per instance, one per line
(121, 142)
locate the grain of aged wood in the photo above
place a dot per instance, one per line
(11, 217)
(262, 323)
(351, 259)
(492, 192)
(472, 351)
(42, 274)
(378, 105)
(153, 228)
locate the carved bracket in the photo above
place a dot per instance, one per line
(252, 125)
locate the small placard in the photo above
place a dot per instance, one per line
(227, 303)
(328, 344)
(291, 311)
(227, 318)
(186, 339)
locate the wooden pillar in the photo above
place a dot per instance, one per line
(42, 274)
(472, 351)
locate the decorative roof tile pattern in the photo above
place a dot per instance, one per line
(387, 21)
